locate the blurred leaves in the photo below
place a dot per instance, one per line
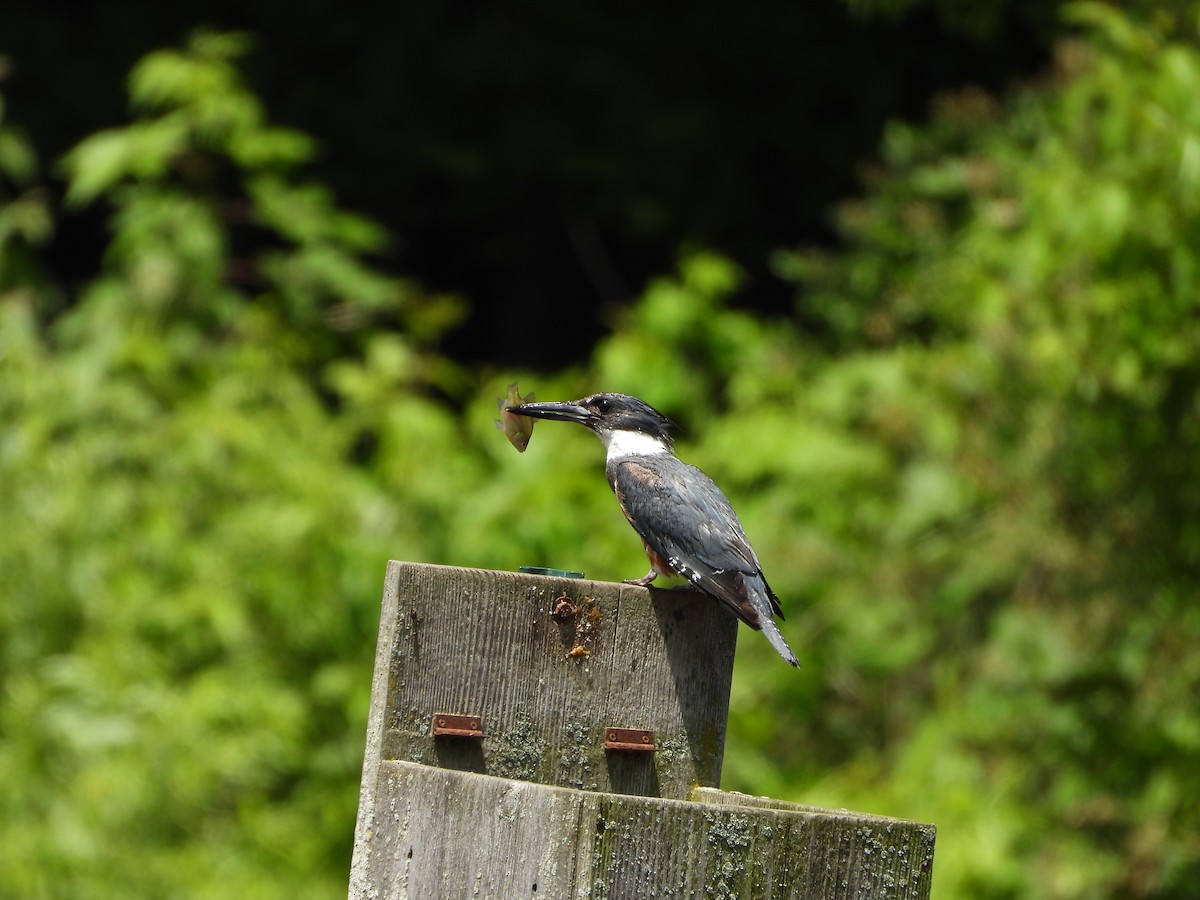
(1027, 272)
(208, 204)
(184, 651)
(968, 463)
(25, 217)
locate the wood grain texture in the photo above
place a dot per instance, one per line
(562, 818)
(441, 833)
(365, 838)
(485, 643)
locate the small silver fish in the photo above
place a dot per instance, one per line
(518, 429)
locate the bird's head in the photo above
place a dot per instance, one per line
(610, 416)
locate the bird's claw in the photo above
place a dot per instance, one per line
(645, 580)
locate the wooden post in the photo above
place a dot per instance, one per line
(525, 675)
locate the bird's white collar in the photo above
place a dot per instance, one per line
(632, 443)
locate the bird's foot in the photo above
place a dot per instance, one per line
(645, 580)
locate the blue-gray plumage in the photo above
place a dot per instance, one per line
(686, 524)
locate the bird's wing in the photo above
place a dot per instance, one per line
(683, 516)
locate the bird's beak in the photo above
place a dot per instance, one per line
(558, 412)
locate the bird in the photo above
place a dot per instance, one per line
(687, 525)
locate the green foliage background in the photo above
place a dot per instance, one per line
(969, 461)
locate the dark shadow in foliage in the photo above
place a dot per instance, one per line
(559, 153)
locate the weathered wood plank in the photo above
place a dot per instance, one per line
(876, 856)
(442, 833)
(485, 643)
(369, 843)
(686, 673)
(470, 641)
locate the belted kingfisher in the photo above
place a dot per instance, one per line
(686, 524)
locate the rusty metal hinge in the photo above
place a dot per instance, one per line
(453, 725)
(637, 739)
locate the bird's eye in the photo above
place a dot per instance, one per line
(602, 404)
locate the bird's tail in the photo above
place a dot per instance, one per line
(775, 636)
(750, 599)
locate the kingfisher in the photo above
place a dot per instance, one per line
(686, 523)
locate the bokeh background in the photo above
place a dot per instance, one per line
(920, 281)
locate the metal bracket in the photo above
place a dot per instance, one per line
(453, 725)
(635, 739)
